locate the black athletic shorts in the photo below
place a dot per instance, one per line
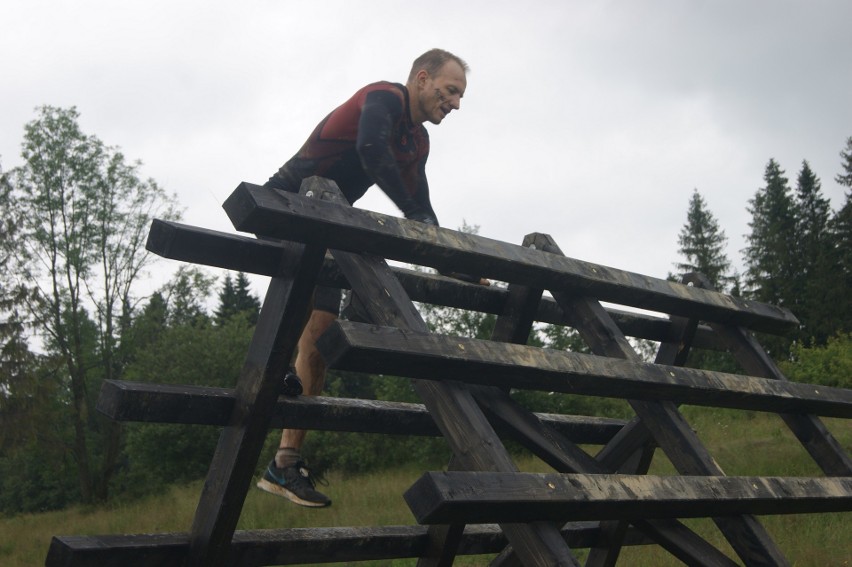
(327, 299)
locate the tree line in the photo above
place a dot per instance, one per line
(73, 261)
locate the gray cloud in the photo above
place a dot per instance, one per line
(592, 122)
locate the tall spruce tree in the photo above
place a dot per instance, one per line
(235, 298)
(771, 248)
(845, 176)
(815, 275)
(702, 244)
(840, 229)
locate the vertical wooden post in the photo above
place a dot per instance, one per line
(285, 308)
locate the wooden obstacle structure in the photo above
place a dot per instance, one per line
(481, 504)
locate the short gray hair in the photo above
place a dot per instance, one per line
(433, 60)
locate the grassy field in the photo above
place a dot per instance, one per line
(743, 443)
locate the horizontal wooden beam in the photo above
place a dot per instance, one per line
(486, 497)
(195, 245)
(287, 216)
(369, 348)
(293, 546)
(166, 403)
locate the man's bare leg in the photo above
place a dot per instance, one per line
(311, 369)
(287, 475)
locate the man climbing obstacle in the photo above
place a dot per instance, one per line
(377, 137)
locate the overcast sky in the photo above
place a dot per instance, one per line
(590, 121)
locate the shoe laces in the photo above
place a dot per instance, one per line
(310, 477)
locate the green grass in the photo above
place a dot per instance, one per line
(743, 443)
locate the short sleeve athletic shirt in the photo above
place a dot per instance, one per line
(369, 139)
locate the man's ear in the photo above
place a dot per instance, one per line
(421, 77)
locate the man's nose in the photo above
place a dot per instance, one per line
(455, 102)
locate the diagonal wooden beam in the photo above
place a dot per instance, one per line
(467, 431)
(808, 429)
(513, 325)
(671, 352)
(667, 426)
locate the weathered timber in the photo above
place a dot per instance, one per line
(368, 348)
(252, 548)
(465, 386)
(255, 209)
(177, 241)
(202, 405)
(483, 497)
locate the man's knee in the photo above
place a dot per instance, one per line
(318, 323)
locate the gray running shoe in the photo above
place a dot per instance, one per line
(294, 483)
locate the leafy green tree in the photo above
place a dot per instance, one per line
(20, 391)
(236, 297)
(829, 364)
(771, 248)
(702, 244)
(85, 213)
(185, 297)
(183, 349)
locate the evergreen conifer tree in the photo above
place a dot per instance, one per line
(702, 244)
(771, 248)
(771, 243)
(236, 297)
(815, 275)
(840, 229)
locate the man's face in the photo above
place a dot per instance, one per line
(440, 94)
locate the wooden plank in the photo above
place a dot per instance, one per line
(201, 405)
(367, 348)
(255, 209)
(241, 253)
(480, 497)
(206, 247)
(251, 548)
